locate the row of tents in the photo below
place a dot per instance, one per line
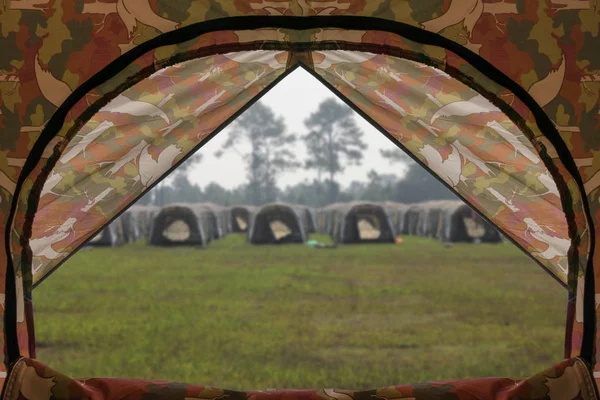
(355, 222)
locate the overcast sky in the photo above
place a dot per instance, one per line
(295, 98)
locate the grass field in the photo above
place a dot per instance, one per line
(241, 317)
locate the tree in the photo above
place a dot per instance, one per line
(183, 190)
(356, 190)
(312, 194)
(334, 141)
(215, 193)
(395, 156)
(381, 187)
(270, 154)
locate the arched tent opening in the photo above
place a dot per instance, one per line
(362, 223)
(180, 225)
(277, 224)
(515, 139)
(240, 218)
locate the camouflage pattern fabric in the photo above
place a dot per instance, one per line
(141, 133)
(568, 380)
(547, 47)
(134, 139)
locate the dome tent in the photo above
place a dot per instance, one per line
(240, 218)
(457, 222)
(182, 224)
(448, 221)
(514, 139)
(277, 223)
(361, 222)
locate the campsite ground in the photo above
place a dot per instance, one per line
(240, 317)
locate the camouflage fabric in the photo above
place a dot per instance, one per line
(549, 48)
(134, 139)
(142, 132)
(569, 380)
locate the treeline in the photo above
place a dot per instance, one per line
(334, 142)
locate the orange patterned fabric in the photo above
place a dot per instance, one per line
(53, 107)
(143, 131)
(568, 380)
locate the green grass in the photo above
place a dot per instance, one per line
(242, 317)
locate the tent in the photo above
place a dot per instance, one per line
(498, 99)
(448, 221)
(130, 233)
(361, 222)
(430, 217)
(182, 224)
(219, 219)
(240, 218)
(326, 219)
(454, 221)
(396, 213)
(136, 220)
(277, 223)
(414, 222)
(140, 220)
(111, 235)
(310, 223)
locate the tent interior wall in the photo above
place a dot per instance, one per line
(277, 223)
(499, 99)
